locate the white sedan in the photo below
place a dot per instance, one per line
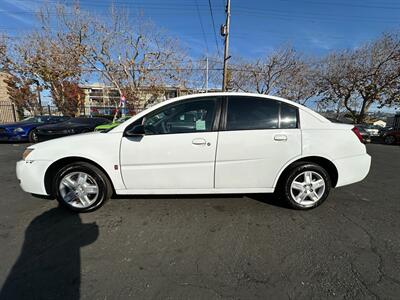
(201, 144)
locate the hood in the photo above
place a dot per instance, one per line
(92, 145)
(70, 139)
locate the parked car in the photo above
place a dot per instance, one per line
(372, 129)
(70, 127)
(235, 143)
(366, 137)
(113, 124)
(25, 130)
(392, 136)
(383, 130)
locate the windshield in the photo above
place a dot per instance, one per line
(81, 121)
(33, 120)
(137, 122)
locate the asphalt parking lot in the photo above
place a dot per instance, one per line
(233, 247)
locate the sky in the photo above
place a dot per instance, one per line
(314, 27)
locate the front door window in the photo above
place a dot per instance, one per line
(186, 117)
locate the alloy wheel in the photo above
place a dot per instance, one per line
(79, 189)
(307, 188)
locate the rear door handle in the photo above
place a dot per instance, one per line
(280, 138)
(199, 142)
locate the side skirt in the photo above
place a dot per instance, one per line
(193, 191)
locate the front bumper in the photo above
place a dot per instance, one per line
(13, 137)
(31, 176)
(352, 169)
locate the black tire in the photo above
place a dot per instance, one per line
(389, 140)
(290, 176)
(105, 189)
(32, 137)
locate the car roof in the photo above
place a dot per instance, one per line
(219, 94)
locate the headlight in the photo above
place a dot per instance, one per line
(18, 130)
(26, 153)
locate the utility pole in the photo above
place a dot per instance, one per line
(225, 33)
(206, 74)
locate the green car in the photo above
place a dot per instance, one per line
(112, 125)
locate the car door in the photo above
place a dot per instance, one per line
(177, 151)
(260, 136)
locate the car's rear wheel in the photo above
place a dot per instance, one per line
(389, 139)
(81, 187)
(33, 138)
(306, 186)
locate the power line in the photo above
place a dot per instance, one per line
(213, 23)
(245, 12)
(309, 16)
(201, 25)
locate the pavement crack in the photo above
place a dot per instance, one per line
(361, 281)
(374, 250)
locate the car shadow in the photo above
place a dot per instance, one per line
(270, 199)
(266, 198)
(49, 265)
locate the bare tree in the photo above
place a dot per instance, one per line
(378, 64)
(72, 95)
(48, 56)
(19, 84)
(264, 75)
(337, 81)
(358, 79)
(21, 94)
(133, 56)
(298, 83)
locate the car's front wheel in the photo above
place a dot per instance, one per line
(33, 138)
(81, 187)
(306, 186)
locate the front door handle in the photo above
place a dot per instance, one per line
(199, 142)
(280, 138)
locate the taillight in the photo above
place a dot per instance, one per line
(358, 134)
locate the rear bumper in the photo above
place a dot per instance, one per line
(31, 176)
(352, 169)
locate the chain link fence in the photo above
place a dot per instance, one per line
(10, 113)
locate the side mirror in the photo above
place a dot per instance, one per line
(137, 130)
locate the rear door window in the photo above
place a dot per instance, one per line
(245, 113)
(288, 116)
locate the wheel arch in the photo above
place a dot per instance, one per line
(324, 162)
(55, 166)
(29, 131)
